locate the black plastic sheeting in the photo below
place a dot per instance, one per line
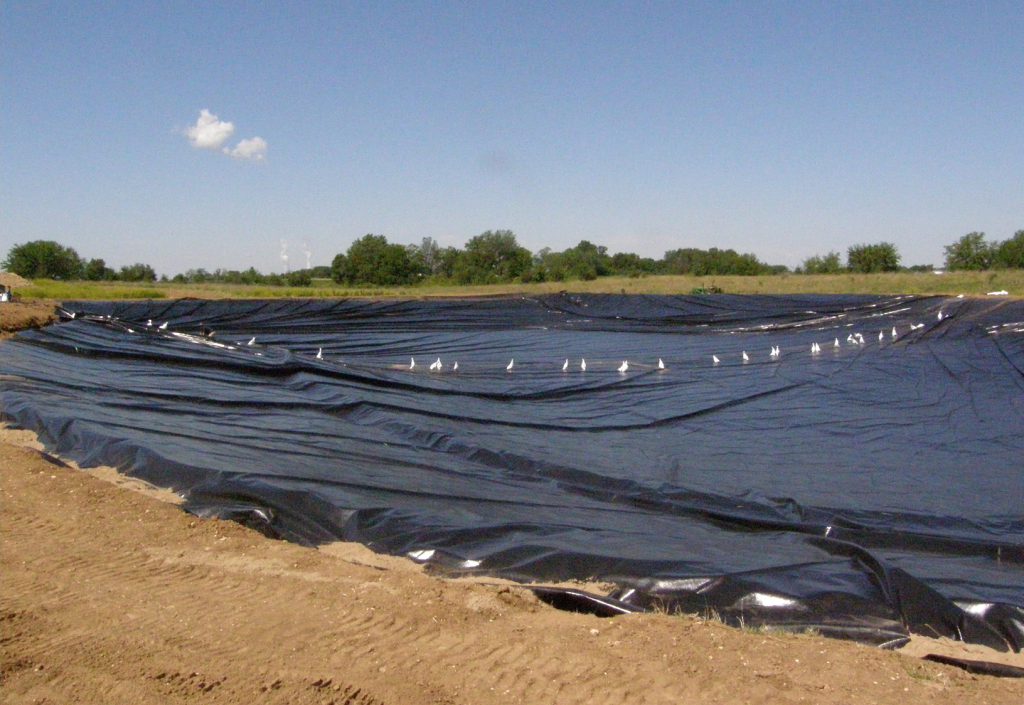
(867, 490)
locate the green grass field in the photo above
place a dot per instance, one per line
(970, 283)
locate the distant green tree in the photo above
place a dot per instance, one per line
(97, 270)
(681, 261)
(546, 266)
(822, 264)
(430, 257)
(629, 264)
(587, 261)
(251, 276)
(137, 272)
(372, 260)
(1010, 253)
(702, 263)
(446, 262)
(584, 262)
(231, 276)
(969, 252)
(44, 259)
(299, 277)
(493, 256)
(881, 257)
(339, 265)
(195, 276)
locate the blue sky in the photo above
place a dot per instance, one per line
(786, 129)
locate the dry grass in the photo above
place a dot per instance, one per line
(102, 291)
(971, 283)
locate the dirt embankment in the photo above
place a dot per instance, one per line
(19, 315)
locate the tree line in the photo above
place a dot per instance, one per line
(46, 259)
(495, 256)
(971, 251)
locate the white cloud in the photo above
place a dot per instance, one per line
(254, 149)
(210, 132)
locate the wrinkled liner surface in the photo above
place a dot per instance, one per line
(866, 490)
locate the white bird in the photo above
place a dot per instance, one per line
(565, 365)
(814, 348)
(252, 341)
(836, 343)
(893, 333)
(149, 322)
(773, 354)
(583, 364)
(163, 326)
(661, 364)
(436, 364)
(412, 363)
(714, 359)
(860, 338)
(939, 316)
(319, 353)
(881, 336)
(455, 367)
(850, 338)
(624, 367)
(510, 364)
(746, 358)
(915, 326)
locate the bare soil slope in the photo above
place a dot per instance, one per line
(19, 315)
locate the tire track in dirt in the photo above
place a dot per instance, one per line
(82, 578)
(356, 631)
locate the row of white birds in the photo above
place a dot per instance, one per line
(438, 366)
(774, 354)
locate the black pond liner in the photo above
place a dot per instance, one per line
(866, 491)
